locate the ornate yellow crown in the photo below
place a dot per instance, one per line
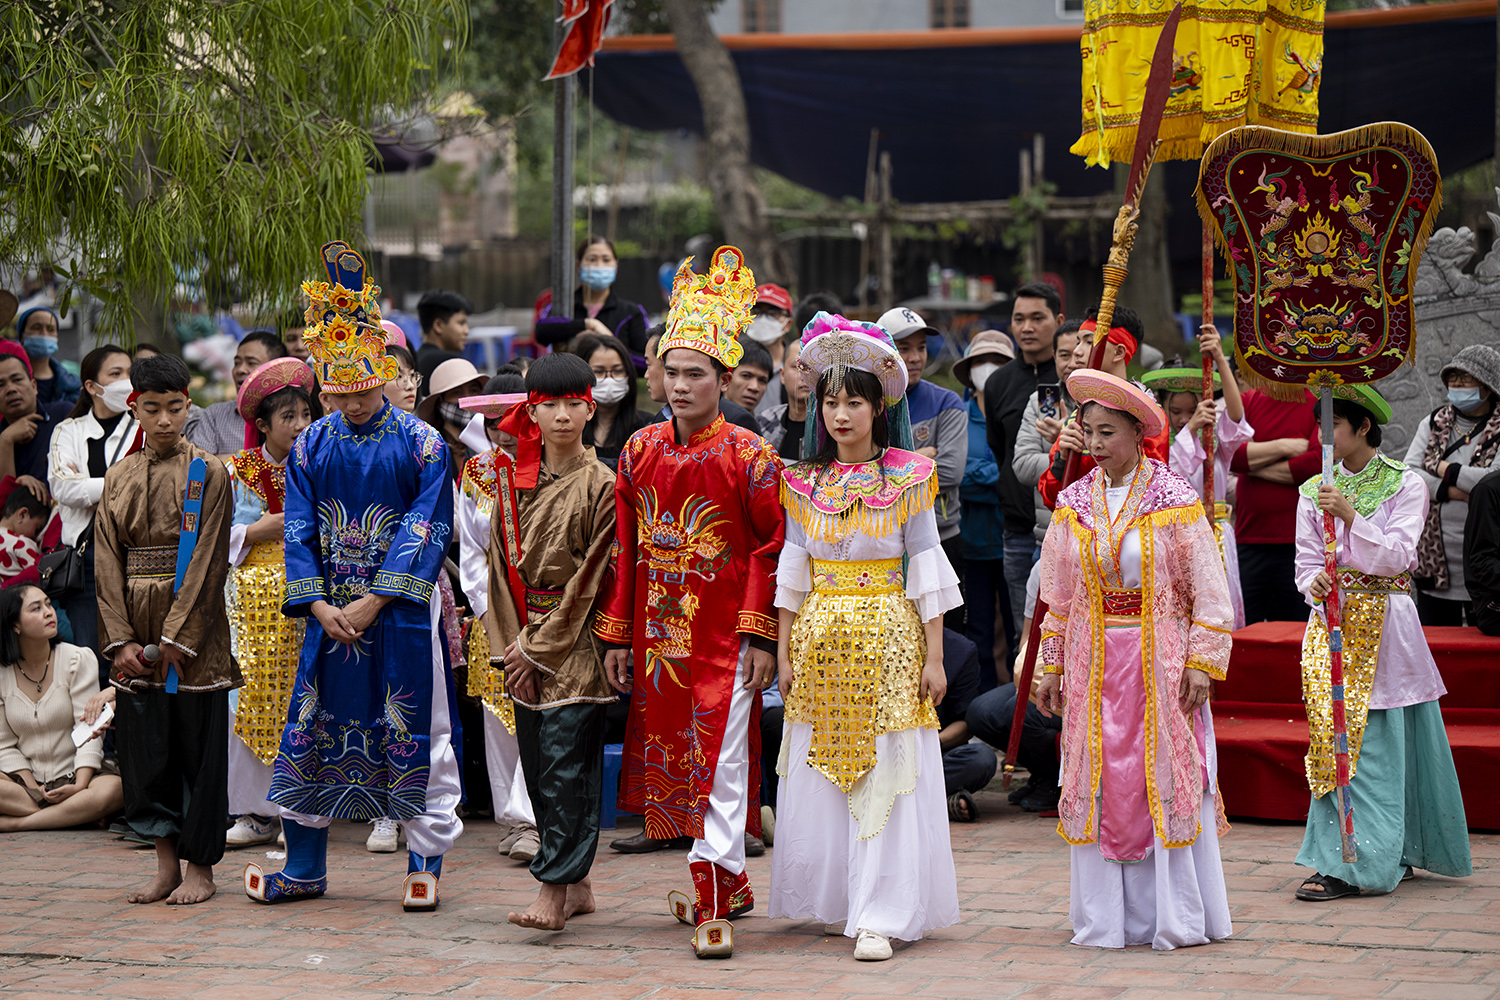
(708, 311)
(343, 332)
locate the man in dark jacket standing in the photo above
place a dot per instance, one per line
(1482, 553)
(1035, 316)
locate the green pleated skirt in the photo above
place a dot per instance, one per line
(1408, 809)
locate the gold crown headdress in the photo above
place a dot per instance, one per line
(708, 311)
(343, 333)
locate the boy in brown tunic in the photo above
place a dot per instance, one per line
(173, 747)
(553, 526)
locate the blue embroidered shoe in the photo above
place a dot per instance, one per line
(279, 886)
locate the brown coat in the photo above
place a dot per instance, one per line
(567, 528)
(142, 507)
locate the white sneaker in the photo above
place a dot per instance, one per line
(385, 838)
(871, 947)
(768, 825)
(249, 831)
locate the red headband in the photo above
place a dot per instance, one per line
(1117, 335)
(518, 423)
(140, 430)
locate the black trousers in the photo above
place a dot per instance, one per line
(562, 756)
(174, 765)
(1268, 580)
(1440, 611)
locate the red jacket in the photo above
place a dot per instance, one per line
(1051, 484)
(1265, 512)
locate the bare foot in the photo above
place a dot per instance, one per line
(581, 898)
(160, 887)
(548, 913)
(197, 886)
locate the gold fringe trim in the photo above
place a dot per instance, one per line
(877, 522)
(1301, 144)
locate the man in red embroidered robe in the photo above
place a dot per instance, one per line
(699, 529)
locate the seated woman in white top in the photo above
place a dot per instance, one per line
(46, 687)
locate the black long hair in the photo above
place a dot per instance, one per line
(865, 386)
(626, 422)
(12, 600)
(284, 399)
(88, 371)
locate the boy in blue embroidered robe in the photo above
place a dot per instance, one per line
(369, 511)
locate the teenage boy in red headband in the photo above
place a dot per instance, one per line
(1120, 345)
(550, 537)
(173, 748)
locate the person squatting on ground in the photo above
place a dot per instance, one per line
(277, 404)
(369, 509)
(551, 537)
(862, 587)
(172, 715)
(698, 531)
(1408, 811)
(1137, 627)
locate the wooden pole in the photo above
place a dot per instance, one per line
(1334, 613)
(887, 296)
(1210, 433)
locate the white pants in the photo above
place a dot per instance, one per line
(432, 832)
(723, 840)
(249, 777)
(502, 758)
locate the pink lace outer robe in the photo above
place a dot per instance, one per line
(1185, 621)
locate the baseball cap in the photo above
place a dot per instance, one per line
(773, 295)
(902, 322)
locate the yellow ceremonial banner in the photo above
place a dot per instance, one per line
(1235, 62)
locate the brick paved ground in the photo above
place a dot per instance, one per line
(65, 931)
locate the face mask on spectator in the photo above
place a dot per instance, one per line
(610, 390)
(454, 414)
(764, 330)
(980, 374)
(116, 395)
(597, 278)
(40, 347)
(1462, 399)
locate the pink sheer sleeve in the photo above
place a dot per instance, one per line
(1209, 634)
(1059, 581)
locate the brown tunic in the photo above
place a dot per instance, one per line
(142, 509)
(566, 530)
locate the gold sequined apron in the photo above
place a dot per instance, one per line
(487, 680)
(858, 650)
(1363, 600)
(267, 646)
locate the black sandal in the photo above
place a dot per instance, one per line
(959, 801)
(1408, 875)
(1332, 888)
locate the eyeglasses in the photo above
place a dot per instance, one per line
(409, 380)
(616, 372)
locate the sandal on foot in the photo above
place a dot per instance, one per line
(1328, 888)
(961, 807)
(1408, 875)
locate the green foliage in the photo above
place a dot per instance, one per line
(144, 138)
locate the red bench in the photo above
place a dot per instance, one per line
(1262, 727)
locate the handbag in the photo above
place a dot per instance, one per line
(61, 570)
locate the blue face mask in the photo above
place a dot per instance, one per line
(40, 347)
(597, 278)
(1462, 399)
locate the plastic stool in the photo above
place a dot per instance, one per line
(613, 755)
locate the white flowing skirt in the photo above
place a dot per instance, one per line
(1172, 899)
(899, 883)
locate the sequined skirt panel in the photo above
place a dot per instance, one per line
(857, 648)
(267, 645)
(1362, 625)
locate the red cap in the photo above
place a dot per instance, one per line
(773, 295)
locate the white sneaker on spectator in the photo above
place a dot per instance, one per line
(871, 947)
(249, 831)
(385, 838)
(768, 825)
(526, 845)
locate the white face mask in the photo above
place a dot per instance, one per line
(764, 330)
(115, 396)
(980, 374)
(610, 390)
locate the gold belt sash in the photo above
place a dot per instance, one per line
(858, 649)
(151, 562)
(265, 554)
(487, 680)
(267, 646)
(1363, 602)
